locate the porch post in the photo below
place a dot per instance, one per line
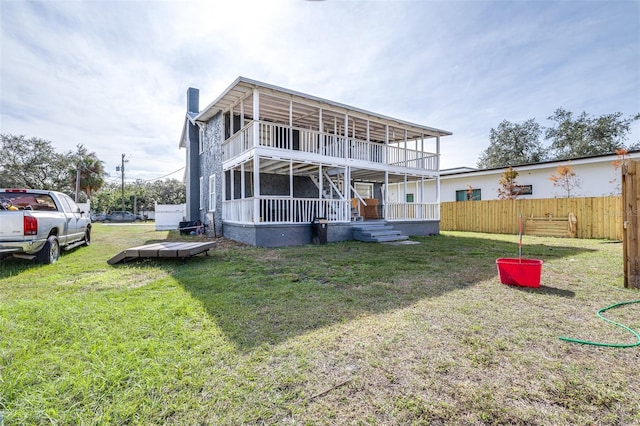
(386, 145)
(346, 136)
(320, 181)
(242, 182)
(321, 134)
(422, 197)
(256, 118)
(404, 201)
(367, 131)
(256, 188)
(290, 124)
(385, 213)
(231, 120)
(438, 170)
(242, 114)
(405, 150)
(232, 180)
(347, 183)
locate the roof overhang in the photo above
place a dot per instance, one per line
(273, 106)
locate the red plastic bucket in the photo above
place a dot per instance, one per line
(522, 272)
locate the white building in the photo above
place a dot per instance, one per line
(596, 177)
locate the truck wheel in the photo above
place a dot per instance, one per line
(87, 237)
(50, 252)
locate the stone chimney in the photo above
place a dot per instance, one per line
(193, 157)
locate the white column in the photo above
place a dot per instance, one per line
(321, 135)
(242, 182)
(405, 150)
(320, 181)
(242, 114)
(386, 194)
(290, 124)
(346, 135)
(290, 178)
(256, 188)
(404, 197)
(438, 169)
(386, 145)
(256, 118)
(232, 182)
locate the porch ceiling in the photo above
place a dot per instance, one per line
(275, 106)
(281, 167)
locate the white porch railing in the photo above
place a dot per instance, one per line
(238, 210)
(413, 211)
(281, 137)
(286, 210)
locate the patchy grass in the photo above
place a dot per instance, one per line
(345, 333)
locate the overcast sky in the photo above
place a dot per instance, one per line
(113, 75)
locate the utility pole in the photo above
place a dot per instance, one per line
(120, 169)
(77, 181)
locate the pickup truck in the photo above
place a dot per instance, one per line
(36, 224)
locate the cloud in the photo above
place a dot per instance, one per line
(113, 75)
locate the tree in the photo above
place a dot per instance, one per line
(91, 170)
(508, 189)
(140, 195)
(32, 163)
(566, 179)
(513, 143)
(586, 136)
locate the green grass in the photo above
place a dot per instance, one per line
(345, 333)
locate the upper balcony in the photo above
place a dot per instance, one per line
(286, 124)
(292, 141)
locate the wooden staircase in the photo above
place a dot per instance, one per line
(376, 232)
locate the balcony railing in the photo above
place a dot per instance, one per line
(413, 211)
(285, 210)
(296, 139)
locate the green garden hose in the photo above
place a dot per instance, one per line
(610, 345)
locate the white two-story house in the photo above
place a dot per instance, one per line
(263, 162)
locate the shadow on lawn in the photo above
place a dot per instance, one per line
(265, 296)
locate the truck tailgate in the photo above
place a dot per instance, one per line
(11, 225)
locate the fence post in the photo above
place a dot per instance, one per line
(630, 211)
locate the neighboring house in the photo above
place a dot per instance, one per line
(263, 162)
(596, 177)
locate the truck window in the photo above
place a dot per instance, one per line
(28, 201)
(70, 205)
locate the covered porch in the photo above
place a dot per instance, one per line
(263, 190)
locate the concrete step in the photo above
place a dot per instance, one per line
(377, 232)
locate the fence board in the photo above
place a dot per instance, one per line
(598, 217)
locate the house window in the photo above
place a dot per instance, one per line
(522, 190)
(212, 193)
(409, 198)
(470, 194)
(201, 193)
(365, 190)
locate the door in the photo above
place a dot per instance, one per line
(75, 222)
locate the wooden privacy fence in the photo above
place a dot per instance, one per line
(596, 217)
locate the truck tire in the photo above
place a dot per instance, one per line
(50, 252)
(87, 237)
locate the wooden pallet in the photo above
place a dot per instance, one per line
(163, 249)
(551, 226)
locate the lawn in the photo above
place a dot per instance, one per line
(344, 333)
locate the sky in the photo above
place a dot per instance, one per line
(113, 75)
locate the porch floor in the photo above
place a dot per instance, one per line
(163, 249)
